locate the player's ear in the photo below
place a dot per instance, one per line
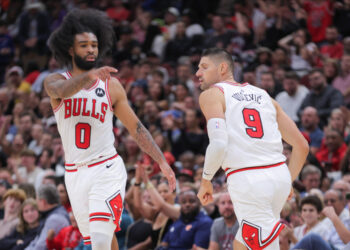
(223, 68)
(70, 51)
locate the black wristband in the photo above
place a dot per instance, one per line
(137, 184)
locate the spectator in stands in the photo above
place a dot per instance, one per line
(330, 69)
(224, 228)
(310, 208)
(309, 125)
(7, 49)
(269, 84)
(54, 216)
(322, 96)
(67, 238)
(334, 150)
(342, 82)
(333, 198)
(36, 134)
(341, 17)
(64, 199)
(311, 178)
(342, 186)
(163, 211)
(291, 98)
(332, 48)
(27, 171)
(13, 200)
(33, 32)
(27, 228)
(192, 229)
(53, 67)
(179, 45)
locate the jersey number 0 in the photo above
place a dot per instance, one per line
(252, 119)
(82, 135)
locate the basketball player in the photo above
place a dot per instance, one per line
(245, 126)
(84, 100)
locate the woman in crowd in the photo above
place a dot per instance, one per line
(27, 229)
(163, 210)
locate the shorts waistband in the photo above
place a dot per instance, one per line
(229, 171)
(89, 164)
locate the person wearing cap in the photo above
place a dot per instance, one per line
(16, 84)
(12, 200)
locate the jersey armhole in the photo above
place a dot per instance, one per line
(108, 95)
(219, 87)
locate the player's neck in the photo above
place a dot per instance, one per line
(77, 71)
(228, 79)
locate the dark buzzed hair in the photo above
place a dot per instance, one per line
(219, 54)
(77, 22)
(312, 200)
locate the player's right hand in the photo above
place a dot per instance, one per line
(169, 174)
(103, 73)
(205, 192)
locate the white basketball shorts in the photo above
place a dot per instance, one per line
(258, 195)
(96, 192)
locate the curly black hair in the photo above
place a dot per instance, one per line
(77, 22)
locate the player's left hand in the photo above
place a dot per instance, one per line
(169, 174)
(205, 193)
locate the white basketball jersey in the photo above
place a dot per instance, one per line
(253, 135)
(84, 122)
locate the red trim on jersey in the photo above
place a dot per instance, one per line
(58, 107)
(87, 240)
(228, 172)
(90, 165)
(69, 75)
(71, 170)
(98, 219)
(274, 233)
(252, 237)
(100, 213)
(237, 84)
(97, 163)
(99, 216)
(93, 86)
(108, 95)
(220, 88)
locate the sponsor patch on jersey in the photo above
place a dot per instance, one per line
(100, 92)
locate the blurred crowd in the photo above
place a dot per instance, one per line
(297, 50)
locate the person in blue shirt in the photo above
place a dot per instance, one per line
(192, 228)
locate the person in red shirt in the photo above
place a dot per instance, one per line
(333, 48)
(319, 17)
(331, 155)
(68, 238)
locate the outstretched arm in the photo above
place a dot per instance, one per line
(57, 87)
(136, 129)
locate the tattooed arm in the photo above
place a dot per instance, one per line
(57, 87)
(136, 129)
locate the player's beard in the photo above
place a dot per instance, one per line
(83, 64)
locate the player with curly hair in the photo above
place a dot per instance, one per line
(84, 100)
